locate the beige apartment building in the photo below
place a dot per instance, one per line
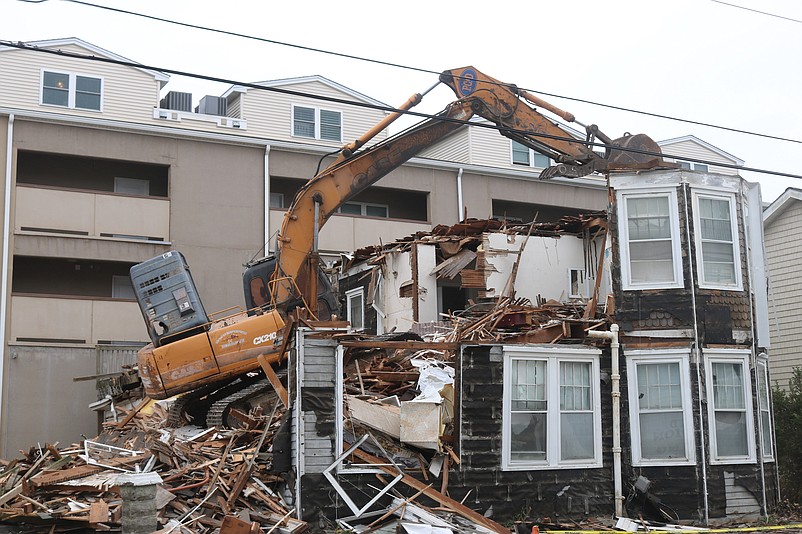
(104, 165)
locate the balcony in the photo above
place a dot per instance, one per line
(78, 321)
(91, 214)
(347, 233)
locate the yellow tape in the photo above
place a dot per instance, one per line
(685, 531)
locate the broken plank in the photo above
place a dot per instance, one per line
(414, 483)
(99, 512)
(274, 380)
(145, 400)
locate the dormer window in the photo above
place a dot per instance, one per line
(316, 123)
(71, 90)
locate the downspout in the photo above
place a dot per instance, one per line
(459, 195)
(4, 281)
(267, 200)
(697, 351)
(615, 377)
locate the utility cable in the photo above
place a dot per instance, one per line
(24, 46)
(758, 11)
(416, 69)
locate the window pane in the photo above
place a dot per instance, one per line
(304, 122)
(528, 436)
(330, 125)
(56, 89)
(576, 439)
(662, 435)
(575, 386)
(520, 153)
(376, 211)
(731, 439)
(659, 386)
(529, 385)
(355, 308)
(542, 161)
(728, 386)
(87, 92)
(351, 208)
(701, 167)
(277, 200)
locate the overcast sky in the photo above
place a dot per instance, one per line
(700, 60)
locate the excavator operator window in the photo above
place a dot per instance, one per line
(259, 292)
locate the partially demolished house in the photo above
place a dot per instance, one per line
(607, 363)
(493, 375)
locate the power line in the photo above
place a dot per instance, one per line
(758, 11)
(416, 69)
(25, 46)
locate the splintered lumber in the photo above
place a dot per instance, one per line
(414, 483)
(50, 478)
(274, 380)
(145, 400)
(234, 525)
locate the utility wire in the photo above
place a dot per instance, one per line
(758, 11)
(24, 46)
(416, 69)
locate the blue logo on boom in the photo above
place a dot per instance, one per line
(466, 84)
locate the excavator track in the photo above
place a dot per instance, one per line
(193, 407)
(217, 414)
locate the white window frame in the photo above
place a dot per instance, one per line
(687, 165)
(764, 413)
(645, 357)
(736, 248)
(553, 357)
(317, 135)
(623, 229)
(737, 357)
(582, 283)
(530, 159)
(353, 294)
(73, 78)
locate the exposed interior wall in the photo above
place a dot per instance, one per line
(543, 266)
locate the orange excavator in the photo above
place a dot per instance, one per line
(191, 352)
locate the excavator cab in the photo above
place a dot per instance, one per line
(168, 299)
(256, 285)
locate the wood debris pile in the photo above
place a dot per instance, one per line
(209, 477)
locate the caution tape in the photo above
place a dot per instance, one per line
(797, 526)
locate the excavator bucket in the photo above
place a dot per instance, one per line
(635, 152)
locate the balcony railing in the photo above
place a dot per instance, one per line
(83, 213)
(79, 321)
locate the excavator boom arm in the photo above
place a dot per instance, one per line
(338, 184)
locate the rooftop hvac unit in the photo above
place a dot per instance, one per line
(177, 101)
(211, 105)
